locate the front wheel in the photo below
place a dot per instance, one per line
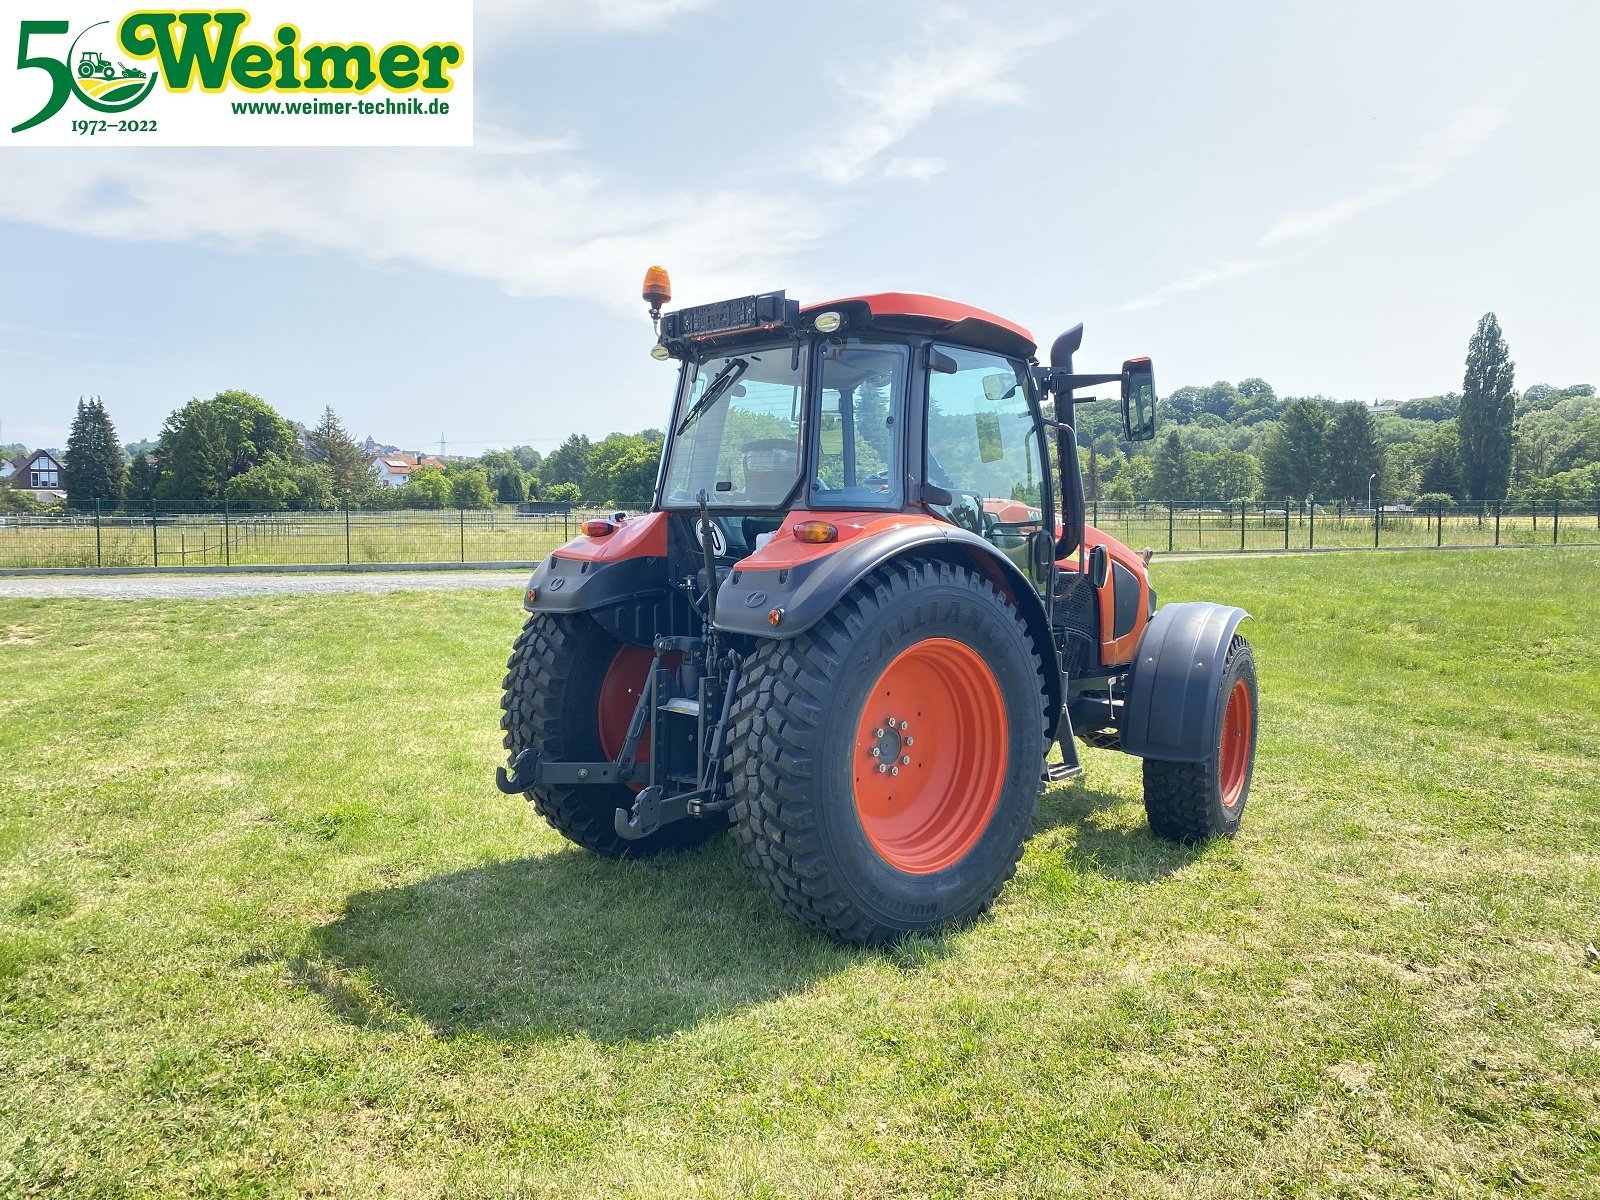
(1193, 802)
(885, 764)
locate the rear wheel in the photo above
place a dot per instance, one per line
(1191, 802)
(570, 691)
(885, 764)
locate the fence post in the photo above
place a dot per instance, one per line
(1438, 526)
(347, 531)
(463, 533)
(1313, 542)
(227, 536)
(1169, 526)
(1497, 522)
(1095, 520)
(97, 558)
(155, 542)
(1377, 518)
(1241, 525)
(1285, 524)
(1555, 523)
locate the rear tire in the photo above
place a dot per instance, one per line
(554, 684)
(1194, 802)
(862, 855)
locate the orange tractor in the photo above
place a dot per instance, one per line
(853, 625)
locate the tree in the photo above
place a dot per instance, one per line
(622, 471)
(354, 477)
(93, 461)
(1092, 487)
(512, 487)
(470, 489)
(1441, 468)
(316, 487)
(268, 486)
(1488, 406)
(1353, 452)
(207, 442)
(427, 488)
(1294, 454)
(141, 481)
(562, 493)
(568, 463)
(1170, 474)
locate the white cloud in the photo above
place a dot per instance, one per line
(498, 18)
(962, 62)
(1194, 283)
(562, 230)
(919, 169)
(1464, 136)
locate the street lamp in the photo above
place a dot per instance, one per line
(1373, 476)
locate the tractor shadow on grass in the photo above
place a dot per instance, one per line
(562, 944)
(1092, 831)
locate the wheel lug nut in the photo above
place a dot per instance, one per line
(882, 769)
(894, 770)
(908, 741)
(905, 724)
(876, 753)
(889, 721)
(906, 759)
(878, 733)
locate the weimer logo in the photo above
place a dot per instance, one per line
(232, 77)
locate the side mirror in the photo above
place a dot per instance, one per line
(1042, 553)
(999, 387)
(1138, 400)
(1099, 566)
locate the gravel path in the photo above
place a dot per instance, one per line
(222, 587)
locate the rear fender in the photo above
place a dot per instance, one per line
(807, 591)
(1172, 705)
(590, 573)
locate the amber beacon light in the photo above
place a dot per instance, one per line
(657, 290)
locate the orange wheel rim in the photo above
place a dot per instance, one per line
(626, 677)
(929, 758)
(1235, 750)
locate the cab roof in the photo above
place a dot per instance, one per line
(961, 323)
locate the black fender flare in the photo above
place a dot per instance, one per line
(1172, 707)
(572, 585)
(808, 592)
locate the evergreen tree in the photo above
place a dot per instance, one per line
(141, 483)
(1171, 477)
(1293, 458)
(512, 486)
(1488, 405)
(207, 442)
(1091, 479)
(1441, 469)
(1353, 452)
(93, 461)
(330, 445)
(568, 463)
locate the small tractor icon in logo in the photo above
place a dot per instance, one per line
(94, 63)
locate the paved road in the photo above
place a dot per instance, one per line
(221, 587)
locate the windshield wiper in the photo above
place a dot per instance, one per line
(720, 383)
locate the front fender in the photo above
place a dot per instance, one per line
(1173, 706)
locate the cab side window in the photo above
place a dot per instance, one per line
(858, 441)
(982, 446)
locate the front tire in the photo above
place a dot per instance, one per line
(569, 692)
(867, 855)
(1194, 802)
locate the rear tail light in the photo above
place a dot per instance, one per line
(816, 532)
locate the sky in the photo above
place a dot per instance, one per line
(1325, 196)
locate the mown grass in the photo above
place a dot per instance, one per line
(267, 929)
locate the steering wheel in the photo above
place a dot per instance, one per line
(968, 512)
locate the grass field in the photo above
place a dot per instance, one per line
(267, 929)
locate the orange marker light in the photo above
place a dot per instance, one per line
(816, 532)
(657, 288)
(775, 616)
(598, 529)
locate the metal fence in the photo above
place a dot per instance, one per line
(183, 536)
(163, 535)
(1222, 528)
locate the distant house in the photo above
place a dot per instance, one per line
(393, 472)
(38, 473)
